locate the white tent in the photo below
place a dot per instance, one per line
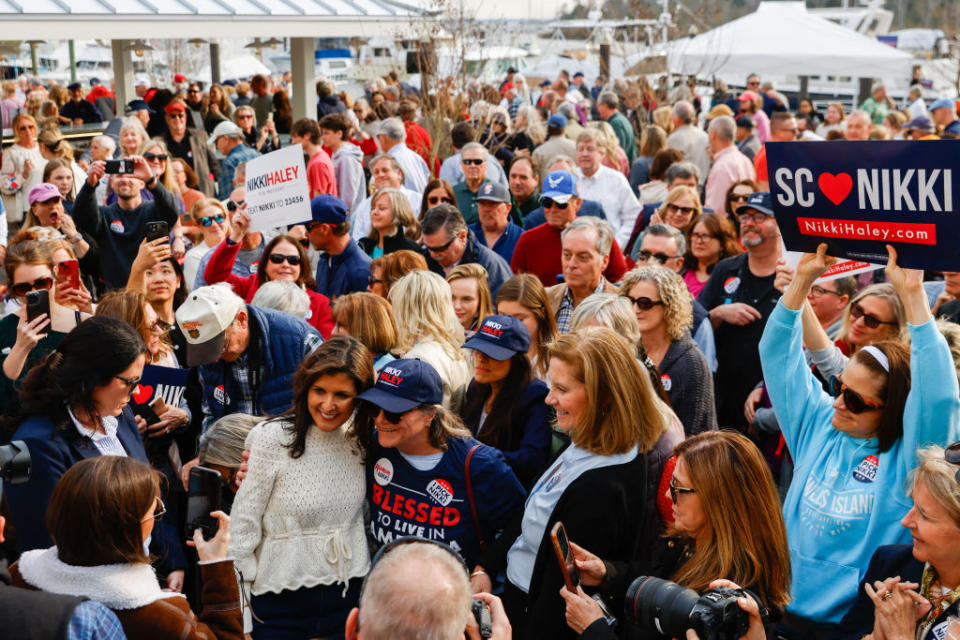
(783, 38)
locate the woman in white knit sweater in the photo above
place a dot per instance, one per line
(297, 522)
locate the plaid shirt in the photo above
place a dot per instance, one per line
(93, 621)
(565, 310)
(241, 376)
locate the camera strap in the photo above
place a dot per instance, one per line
(473, 504)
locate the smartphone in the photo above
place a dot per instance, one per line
(203, 497)
(38, 303)
(159, 406)
(571, 577)
(157, 230)
(146, 412)
(68, 274)
(270, 117)
(119, 166)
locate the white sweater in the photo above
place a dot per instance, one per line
(299, 522)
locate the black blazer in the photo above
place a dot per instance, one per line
(396, 242)
(887, 561)
(604, 510)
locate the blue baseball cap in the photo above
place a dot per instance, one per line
(137, 105)
(944, 103)
(560, 186)
(923, 123)
(403, 385)
(500, 337)
(328, 209)
(557, 121)
(758, 201)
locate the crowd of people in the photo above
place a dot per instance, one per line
(512, 308)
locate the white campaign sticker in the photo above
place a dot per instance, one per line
(383, 472)
(441, 491)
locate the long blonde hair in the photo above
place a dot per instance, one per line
(422, 309)
(403, 215)
(622, 408)
(167, 178)
(478, 274)
(748, 539)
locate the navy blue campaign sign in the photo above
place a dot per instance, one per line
(161, 382)
(860, 196)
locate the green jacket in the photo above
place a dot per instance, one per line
(624, 130)
(467, 201)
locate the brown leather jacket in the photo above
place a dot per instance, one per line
(172, 619)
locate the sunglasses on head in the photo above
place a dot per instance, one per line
(854, 401)
(206, 221)
(278, 258)
(476, 162)
(952, 455)
(550, 203)
(872, 321)
(643, 303)
(645, 255)
(677, 491)
(155, 157)
(23, 288)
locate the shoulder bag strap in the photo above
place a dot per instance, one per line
(473, 504)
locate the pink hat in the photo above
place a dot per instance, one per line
(43, 192)
(747, 95)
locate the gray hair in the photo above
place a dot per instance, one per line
(598, 225)
(282, 296)
(568, 110)
(417, 591)
(665, 231)
(725, 128)
(445, 216)
(107, 143)
(684, 112)
(569, 163)
(609, 98)
(393, 128)
(223, 442)
(877, 87)
(394, 163)
(608, 310)
(860, 114)
(683, 169)
(474, 146)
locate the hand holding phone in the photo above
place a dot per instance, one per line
(38, 303)
(561, 546)
(68, 274)
(157, 230)
(203, 498)
(118, 166)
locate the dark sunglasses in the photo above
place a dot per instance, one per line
(155, 157)
(23, 288)
(675, 490)
(472, 161)
(854, 401)
(952, 455)
(372, 281)
(442, 247)
(177, 115)
(550, 203)
(857, 312)
(278, 258)
(643, 303)
(678, 209)
(434, 201)
(738, 197)
(206, 221)
(645, 255)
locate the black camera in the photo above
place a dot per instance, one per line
(669, 609)
(14, 463)
(481, 613)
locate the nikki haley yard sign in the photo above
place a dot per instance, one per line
(860, 196)
(277, 193)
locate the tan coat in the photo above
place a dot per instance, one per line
(556, 292)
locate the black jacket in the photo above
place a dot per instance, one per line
(686, 378)
(498, 271)
(396, 242)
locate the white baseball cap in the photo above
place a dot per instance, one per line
(225, 128)
(204, 317)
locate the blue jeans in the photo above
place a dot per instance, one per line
(310, 612)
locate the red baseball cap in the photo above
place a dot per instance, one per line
(179, 78)
(175, 107)
(507, 87)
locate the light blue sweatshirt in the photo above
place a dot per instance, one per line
(846, 498)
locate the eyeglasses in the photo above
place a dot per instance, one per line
(701, 237)
(756, 217)
(672, 208)
(952, 455)
(851, 399)
(645, 255)
(158, 512)
(816, 291)
(442, 247)
(738, 197)
(278, 258)
(27, 127)
(206, 221)
(675, 490)
(755, 83)
(435, 200)
(550, 203)
(476, 162)
(155, 157)
(245, 116)
(372, 281)
(159, 327)
(132, 383)
(23, 288)
(643, 303)
(872, 321)
(193, 90)
(176, 115)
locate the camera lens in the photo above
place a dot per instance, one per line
(660, 605)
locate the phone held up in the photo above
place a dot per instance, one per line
(68, 274)
(203, 497)
(119, 166)
(38, 303)
(157, 230)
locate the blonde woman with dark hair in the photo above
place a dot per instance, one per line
(393, 225)
(471, 295)
(727, 524)
(602, 487)
(664, 314)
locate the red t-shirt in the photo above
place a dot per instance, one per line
(320, 174)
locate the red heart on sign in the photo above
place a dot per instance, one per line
(143, 394)
(835, 187)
